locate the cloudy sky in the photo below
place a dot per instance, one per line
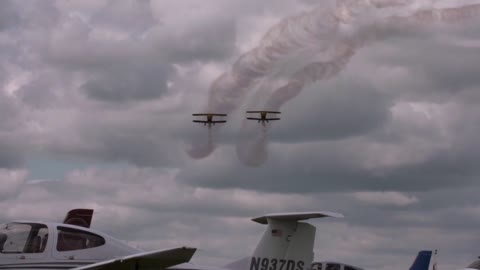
(95, 111)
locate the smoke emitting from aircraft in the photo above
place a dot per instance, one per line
(330, 37)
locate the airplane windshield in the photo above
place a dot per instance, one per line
(23, 238)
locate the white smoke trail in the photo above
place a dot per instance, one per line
(325, 70)
(253, 152)
(199, 151)
(330, 35)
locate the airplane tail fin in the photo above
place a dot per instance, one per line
(422, 261)
(79, 217)
(287, 243)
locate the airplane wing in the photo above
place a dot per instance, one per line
(253, 118)
(272, 119)
(152, 260)
(219, 121)
(200, 121)
(206, 114)
(263, 112)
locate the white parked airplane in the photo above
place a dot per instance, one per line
(287, 244)
(36, 245)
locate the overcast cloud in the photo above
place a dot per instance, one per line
(96, 98)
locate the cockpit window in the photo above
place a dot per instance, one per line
(23, 238)
(73, 239)
(475, 265)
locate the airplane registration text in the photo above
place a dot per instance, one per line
(258, 263)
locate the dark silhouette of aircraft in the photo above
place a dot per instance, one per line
(209, 120)
(263, 116)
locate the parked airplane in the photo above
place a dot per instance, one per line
(72, 244)
(209, 120)
(421, 262)
(287, 244)
(263, 116)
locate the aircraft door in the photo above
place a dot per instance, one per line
(73, 244)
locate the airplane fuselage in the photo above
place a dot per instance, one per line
(40, 245)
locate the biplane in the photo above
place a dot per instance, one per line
(263, 116)
(209, 121)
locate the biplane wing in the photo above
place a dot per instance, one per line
(264, 119)
(207, 114)
(272, 112)
(206, 122)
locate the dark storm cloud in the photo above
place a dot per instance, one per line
(333, 110)
(134, 16)
(342, 166)
(12, 154)
(38, 93)
(8, 15)
(138, 80)
(207, 41)
(404, 139)
(107, 53)
(11, 133)
(440, 67)
(446, 70)
(402, 118)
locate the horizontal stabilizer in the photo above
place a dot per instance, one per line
(295, 216)
(159, 259)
